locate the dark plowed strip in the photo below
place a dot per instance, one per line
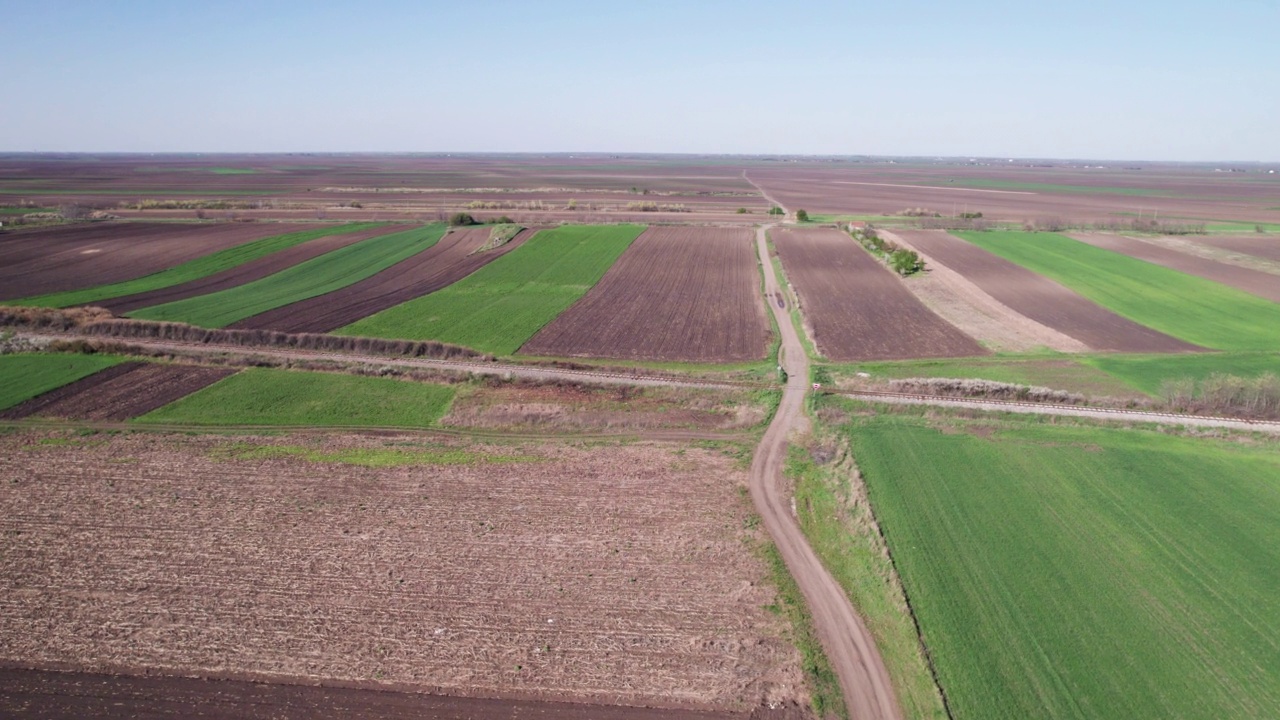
(857, 308)
(441, 265)
(80, 256)
(74, 696)
(1255, 282)
(40, 402)
(1042, 299)
(248, 272)
(1258, 245)
(120, 392)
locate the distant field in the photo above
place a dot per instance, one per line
(1187, 307)
(1057, 188)
(1147, 372)
(23, 377)
(1083, 572)
(498, 308)
(284, 397)
(317, 276)
(193, 269)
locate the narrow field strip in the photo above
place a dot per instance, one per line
(264, 397)
(453, 258)
(1094, 572)
(677, 294)
(23, 377)
(1149, 372)
(193, 269)
(244, 272)
(498, 308)
(120, 392)
(1187, 307)
(317, 276)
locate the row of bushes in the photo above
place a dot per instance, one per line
(1222, 394)
(900, 260)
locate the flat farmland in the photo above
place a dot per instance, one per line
(858, 309)
(499, 307)
(1255, 282)
(245, 272)
(73, 257)
(677, 294)
(1061, 572)
(1187, 307)
(317, 276)
(23, 377)
(1039, 298)
(119, 392)
(538, 570)
(454, 257)
(1258, 245)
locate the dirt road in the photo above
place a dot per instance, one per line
(848, 643)
(786, 214)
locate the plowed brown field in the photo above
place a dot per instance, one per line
(81, 696)
(1255, 282)
(677, 294)
(248, 272)
(120, 392)
(609, 573)
(1040, 298)
(79, 256)
(1263, 246)
(448, 261)
(858, 309)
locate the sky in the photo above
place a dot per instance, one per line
(1192, 81)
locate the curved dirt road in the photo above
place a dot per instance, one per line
(868, 693)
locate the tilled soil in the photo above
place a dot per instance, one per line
(601, 573)
(241, 274)
(1042, 299)
(858, 309)
(454, 257)
(120, 392)
(1258, 245)
(80, 256)
(677, 294)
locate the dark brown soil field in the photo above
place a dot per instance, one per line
(1258, 245)
(248, 272)
(597, 573)
(50, 695)
(1255, 282)
(448, 261)
(1042, 299)
(677, 294)
(120, 392)
(71, 257)
(856, 308)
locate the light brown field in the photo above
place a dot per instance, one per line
(604, 573)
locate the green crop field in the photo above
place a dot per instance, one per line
(23, 377)
(317, 276)
(499, 307)
(1191, 308)
(1054, 371)
(1148, 372)
(191, 270)
(1068, 572)
(296, 398)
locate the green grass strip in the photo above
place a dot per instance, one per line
(192, 269)
(317, 276)
(1062, 572)
(499, 307)
(294, 398)
(1148, 372)
(1187, 307)
(23, 377)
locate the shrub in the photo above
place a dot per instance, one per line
(775, 210)
(802, 216)
(461, 219)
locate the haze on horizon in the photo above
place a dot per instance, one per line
(1186, 81)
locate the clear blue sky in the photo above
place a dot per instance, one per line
(1133, 80)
